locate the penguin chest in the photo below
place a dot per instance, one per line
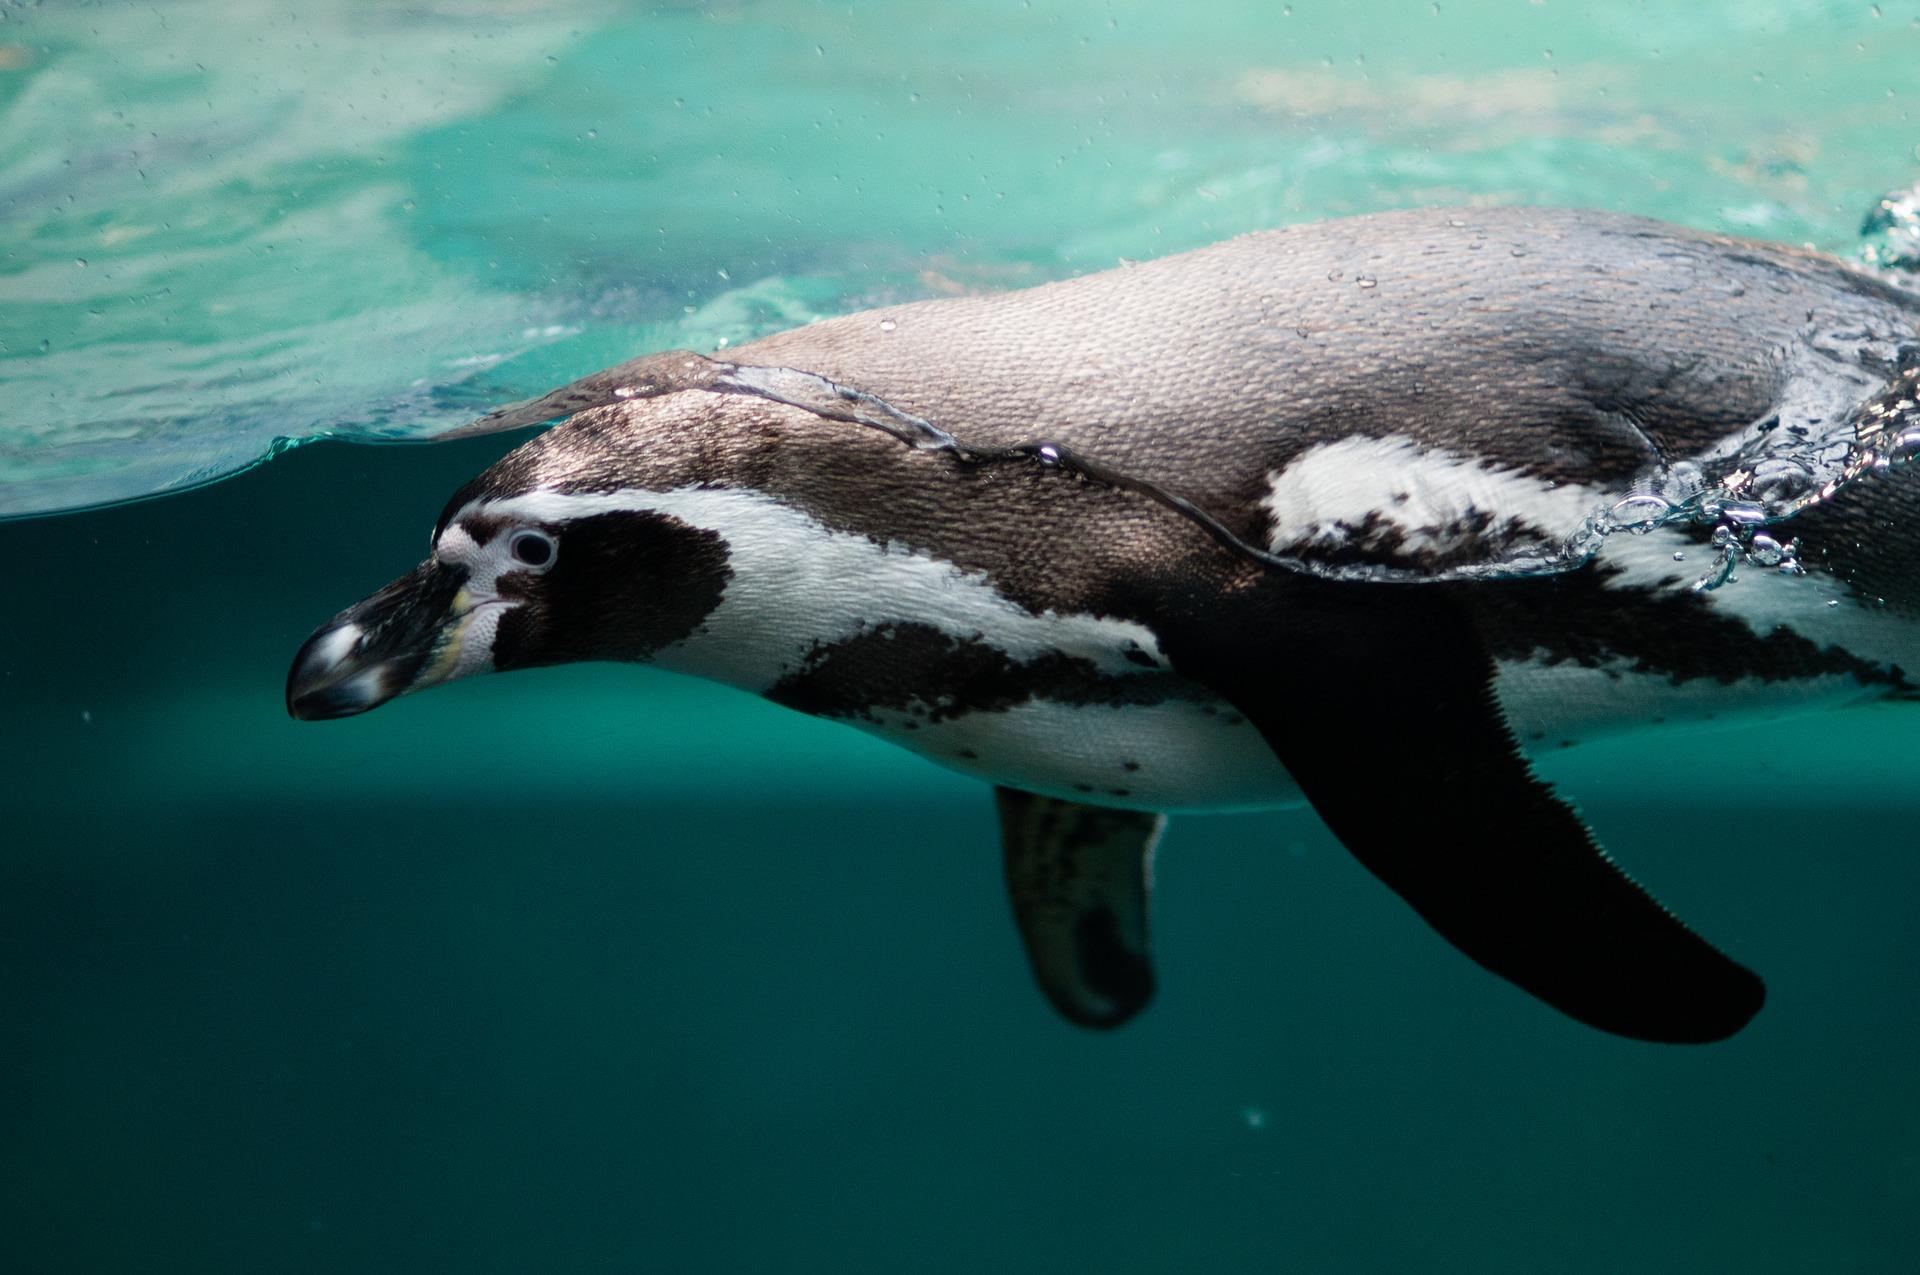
(1112, 731)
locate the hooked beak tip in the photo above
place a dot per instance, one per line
(329, 679)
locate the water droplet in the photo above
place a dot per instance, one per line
(888, 325)
(1722, 570)
(625, 391)
(1679, 557)
(81, 262)
(1049, 455)
(1641, 511)
(1366, 281)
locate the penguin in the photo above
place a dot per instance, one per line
(1364, 514)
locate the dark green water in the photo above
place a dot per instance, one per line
(595, 969)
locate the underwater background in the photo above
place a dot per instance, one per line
(594, 968)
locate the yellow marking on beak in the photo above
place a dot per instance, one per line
(447, 657)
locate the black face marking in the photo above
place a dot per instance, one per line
(918, 669)
(627, 584)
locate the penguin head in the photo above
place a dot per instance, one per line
(540, 560)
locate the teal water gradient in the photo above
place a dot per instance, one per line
(595, 969)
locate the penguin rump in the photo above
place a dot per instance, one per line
(1314, 515)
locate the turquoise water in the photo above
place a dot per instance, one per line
(591, 968)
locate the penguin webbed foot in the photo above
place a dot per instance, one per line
(1078, 877)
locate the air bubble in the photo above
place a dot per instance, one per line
(1642, 512)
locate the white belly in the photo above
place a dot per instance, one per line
(1181, 755)
(1175, 755)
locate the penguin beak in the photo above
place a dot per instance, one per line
(370, 653)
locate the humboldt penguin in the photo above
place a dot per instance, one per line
(1363, 514)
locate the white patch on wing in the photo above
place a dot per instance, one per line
(797, 582)
(1353, 492)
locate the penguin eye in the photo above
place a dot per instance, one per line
(532, 549)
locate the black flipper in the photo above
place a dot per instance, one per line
(1079, 876)
(1379, 700)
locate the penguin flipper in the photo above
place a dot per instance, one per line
(1079, 877)
(1381, 706)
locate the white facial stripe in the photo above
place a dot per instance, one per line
(1336, 487)
(797, 583)
(456, 546)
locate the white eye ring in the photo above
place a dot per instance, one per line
(532, 550)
